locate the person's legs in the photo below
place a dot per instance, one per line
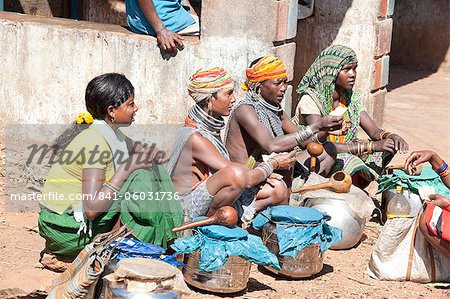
(437, 243)
(272, 195)
(225, 186)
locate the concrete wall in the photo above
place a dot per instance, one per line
(49, 61)
(56, 58)
(422, 34)
(365, 26)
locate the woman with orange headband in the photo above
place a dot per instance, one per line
(258, 125)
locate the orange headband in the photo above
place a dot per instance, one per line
(268, 67)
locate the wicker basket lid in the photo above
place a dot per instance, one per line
(145, 269)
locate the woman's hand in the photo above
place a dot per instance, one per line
(439, 200)
(328, 123)
(138, 161)
(384, 145)
(346, 125)
(273, 178)
(417, 158)
(400, 143)
(283, 161)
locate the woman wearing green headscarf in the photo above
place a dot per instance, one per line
(327, 88)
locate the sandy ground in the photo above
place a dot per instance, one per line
(418, 111)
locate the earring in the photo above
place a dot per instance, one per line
(209, 107)
(113, 119)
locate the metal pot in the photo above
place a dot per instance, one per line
(308, 261)
(231, 278)
(341, 217)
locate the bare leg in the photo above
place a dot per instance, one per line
(226, 185)
(269, 195)
(437, 243)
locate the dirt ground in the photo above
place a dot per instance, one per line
(418, 111)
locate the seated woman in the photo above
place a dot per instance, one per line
(435, 221)
(103, 163)
(200, 166)
(327, 85)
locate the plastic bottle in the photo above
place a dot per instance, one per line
(398, 206)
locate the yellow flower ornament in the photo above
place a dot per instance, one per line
(84, 118)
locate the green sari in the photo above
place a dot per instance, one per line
(141, 205)
(150, 206)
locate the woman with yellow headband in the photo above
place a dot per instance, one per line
(97, 165)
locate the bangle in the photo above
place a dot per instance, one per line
(360, 148)
(316, 139)
(369, 147)
(353, 148)
(385, 135)
(111, 186)
(442, 169)
(303, 135)
(266, 168)
(445, 173)
(278, 163)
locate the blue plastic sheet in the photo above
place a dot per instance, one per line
(216, 243)
(131, 248)
(298, 227)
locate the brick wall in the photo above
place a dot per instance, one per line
(381, 61)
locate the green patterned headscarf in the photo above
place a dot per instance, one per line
(319, 83)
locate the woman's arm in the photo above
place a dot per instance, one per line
(99, 196)
(369, 126)
(419, 157)
(377, 134)
(203, 150)
(247, 118)
(278, 162)
(287, 125)
(382, 145)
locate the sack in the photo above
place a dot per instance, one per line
(81, 277)
(402, 253)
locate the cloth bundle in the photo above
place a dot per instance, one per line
(400, 178)
(216, 243)
(131, 248)
(298, 227)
